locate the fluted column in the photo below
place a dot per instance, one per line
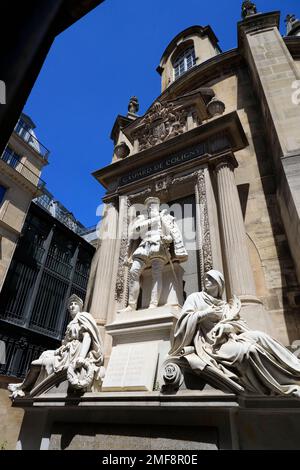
(239, 271)
(105, 266)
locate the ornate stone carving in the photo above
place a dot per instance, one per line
(121, 291)
(215, 107)
(213, 341)
(248, 9)
(79, 359)
(150, 238)
(205, 250)
(122, 150)
(161, 123)
(133, 106)
(172, 376)
(292, 24)
(184, 179)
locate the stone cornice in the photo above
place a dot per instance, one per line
(257, 22)
(203, 73)
(228, 125)
(20, 179)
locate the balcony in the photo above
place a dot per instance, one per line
(28, 136)
(57, 210)
(12, 160)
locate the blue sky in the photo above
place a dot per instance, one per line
(94, 68)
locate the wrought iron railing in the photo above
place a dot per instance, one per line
(22, 169)
(19, 354)
(31, 140)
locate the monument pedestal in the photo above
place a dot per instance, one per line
(141, 341)
(189, 420)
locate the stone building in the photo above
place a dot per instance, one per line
(21, 164)
(220, 148)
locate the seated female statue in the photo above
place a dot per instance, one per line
(210, 332)
(80, 355)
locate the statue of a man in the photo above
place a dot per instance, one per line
(80, 355)
(154, 241)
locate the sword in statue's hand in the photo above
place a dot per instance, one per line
(166, 241)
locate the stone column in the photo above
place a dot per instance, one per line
(240, 275)
(238, 270)
(106, 261)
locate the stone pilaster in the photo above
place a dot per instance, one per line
(106, 261)
(276, 77)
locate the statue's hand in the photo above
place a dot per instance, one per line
(80, 361)
(127, 262)
(221, 330)
(167, 239)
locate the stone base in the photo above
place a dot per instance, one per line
(141, 341)
(189, 420)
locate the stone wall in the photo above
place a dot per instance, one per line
(272, 264)
(10, 419)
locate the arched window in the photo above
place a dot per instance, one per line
(184, 62)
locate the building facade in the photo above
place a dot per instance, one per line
(21, 165)
(220, 148)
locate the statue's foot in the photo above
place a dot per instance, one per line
(14, 387)
(17, 393)
(130, 308)
(152, 306)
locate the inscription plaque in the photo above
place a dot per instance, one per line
(132, 367)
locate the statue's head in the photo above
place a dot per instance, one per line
(152, 205)
(75, 305)
(214, 283)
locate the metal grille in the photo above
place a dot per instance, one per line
(19, 286)
(49, 306)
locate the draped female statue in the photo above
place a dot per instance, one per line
(79, 358)
(211, 334)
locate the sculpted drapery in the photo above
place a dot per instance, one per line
(211, 333)
(79, 358)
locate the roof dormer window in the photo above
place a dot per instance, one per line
(184, 62)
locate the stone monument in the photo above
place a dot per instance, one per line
(212, 342)
(78, 362)
(149, 247)
(194, 359)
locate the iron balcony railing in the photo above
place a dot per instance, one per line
(31, 140)
(47, 202)
(22, 169)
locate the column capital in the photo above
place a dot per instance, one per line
(225, 159)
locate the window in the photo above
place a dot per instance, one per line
(184, 62)
(2, 193)
(11, 157)
(22, 128)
